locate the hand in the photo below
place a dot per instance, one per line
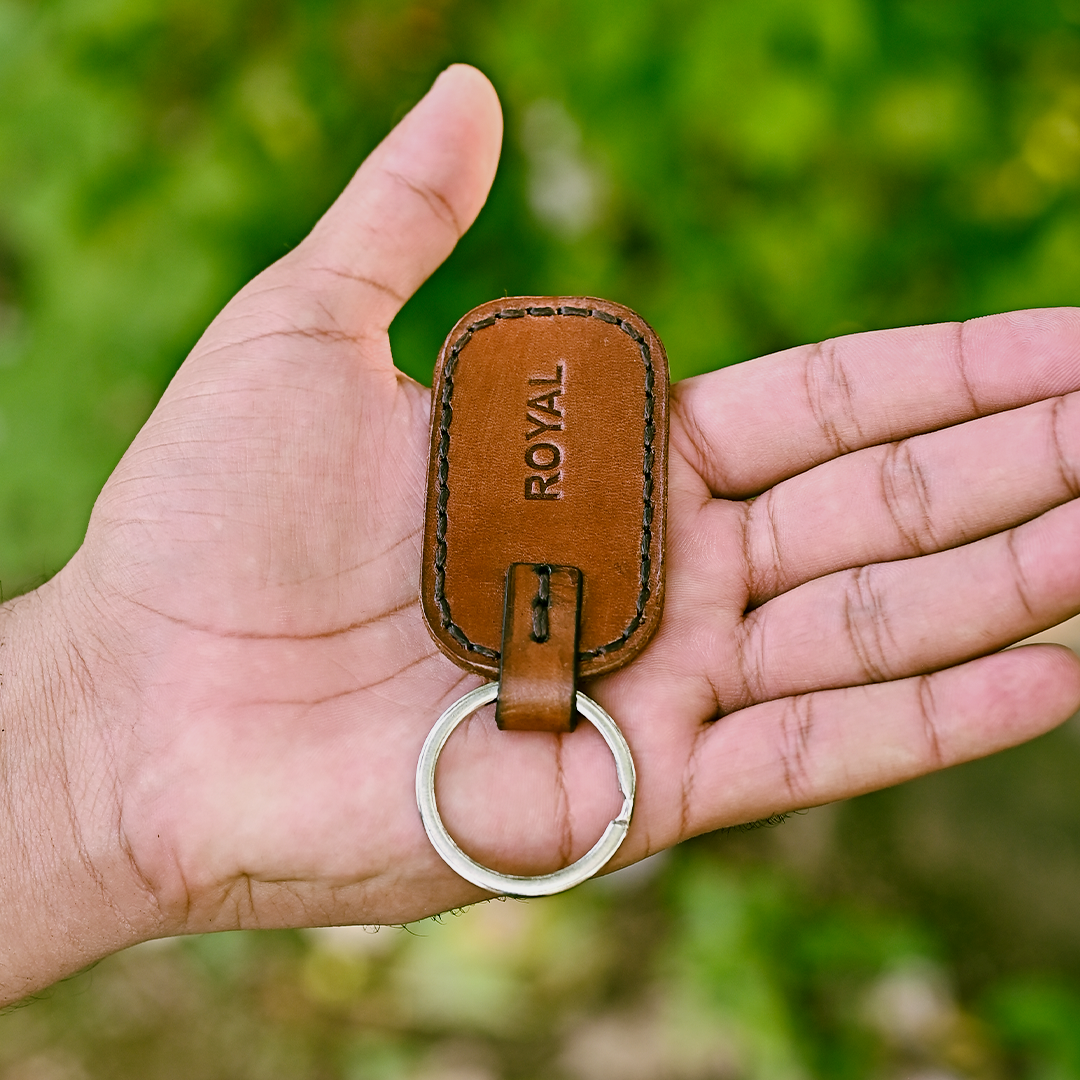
(218, 705)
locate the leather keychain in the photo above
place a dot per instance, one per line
(543, 558)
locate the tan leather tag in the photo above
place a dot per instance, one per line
(548, 447)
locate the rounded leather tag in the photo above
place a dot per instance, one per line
(549, 446)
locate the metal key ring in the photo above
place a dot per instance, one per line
(510, 884)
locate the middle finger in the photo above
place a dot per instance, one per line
(916, 496)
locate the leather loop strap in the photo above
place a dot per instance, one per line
(538, 671)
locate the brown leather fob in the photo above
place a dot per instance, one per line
(543, 554)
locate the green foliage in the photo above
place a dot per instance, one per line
(153, 157)
(749, 175)
(709, 971)
(790, 978)
(1038, 1020)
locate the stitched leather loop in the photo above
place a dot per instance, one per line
(538, 676)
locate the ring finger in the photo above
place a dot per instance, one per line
(891, 620)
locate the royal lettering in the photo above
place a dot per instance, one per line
(557, 381)
(536, 487)
(535, 454)
(541, 428)
(543, 416)
(546, 403)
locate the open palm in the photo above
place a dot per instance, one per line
(854, 530)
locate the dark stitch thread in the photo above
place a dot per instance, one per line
(541, 604)
(443, 496)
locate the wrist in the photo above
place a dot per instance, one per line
(68, 893)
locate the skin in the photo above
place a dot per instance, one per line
(211, 717)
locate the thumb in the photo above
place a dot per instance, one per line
(408, 204)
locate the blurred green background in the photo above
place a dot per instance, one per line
(748, 174)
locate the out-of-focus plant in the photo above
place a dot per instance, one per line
(703, 973)
(747, 174)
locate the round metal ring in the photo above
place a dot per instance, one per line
(510, 884)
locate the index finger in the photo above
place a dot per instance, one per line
(747, 427)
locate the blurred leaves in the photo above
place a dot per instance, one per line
(740, 974)
(1039, 1020)
(749, 175)
(154, 157)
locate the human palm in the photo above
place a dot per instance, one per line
(840, 575)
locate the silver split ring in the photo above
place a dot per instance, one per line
(511, 884)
